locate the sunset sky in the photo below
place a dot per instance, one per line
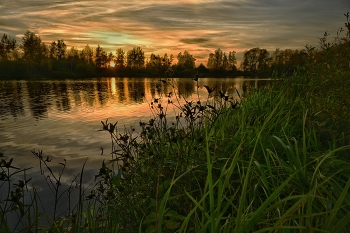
(174, 26)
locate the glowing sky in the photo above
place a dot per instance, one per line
(174, 26)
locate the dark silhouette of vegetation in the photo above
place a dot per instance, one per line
(185, 65)
(202, 70)
(8, 48)
(286, 61)
(58, 50)
(101, 58)
(255, 60)
(158, 65)
(119, 61)
(33, 58)
(219, 64)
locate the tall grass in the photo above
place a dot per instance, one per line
(270, 179)
(266, 166)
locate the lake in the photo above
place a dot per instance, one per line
(63, 118)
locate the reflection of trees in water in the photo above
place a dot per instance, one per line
(136, 88)
(11, 99)
(102, 91)
(88, 90)
(120, 89)
(80, 92)
(76, 88)
(229, 85)
(155, 86)
(60, 90)
(186, 87)
(39, 98)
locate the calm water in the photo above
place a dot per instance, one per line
(61, 117)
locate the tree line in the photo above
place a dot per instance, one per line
(32, 57)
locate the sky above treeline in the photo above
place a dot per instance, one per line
(171, 27)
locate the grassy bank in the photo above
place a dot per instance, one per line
(277, 161)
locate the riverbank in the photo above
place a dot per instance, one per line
(276, 160)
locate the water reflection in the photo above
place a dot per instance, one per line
(41, 97)
(62, 117)
(13, 103)
(136, 90)
(62, 99)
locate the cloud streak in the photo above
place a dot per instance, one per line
(173, 26)
(194, 40)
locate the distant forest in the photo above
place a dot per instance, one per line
(33, 58)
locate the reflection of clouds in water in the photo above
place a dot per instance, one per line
(68, 190)
(70, 132)
(86, 108)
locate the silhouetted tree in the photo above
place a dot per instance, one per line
(225, 65)
(220, 62)
(255, 59)
(8, 48)
(110, 58)
(201, 69)
(101, 58)
(87, 54)
(61, 49)
(215, 60)
(347, 25)
(166, 61)
(135, 58)
(157, 65)
(73, 57)
(185, 65)
(263, 60)
(186, 60)
(153, 65)
(58, 50)
(52, 50)
(119, 62)
(232, 61)
(287, 60)
(251, 58)
(73, 53)
(33, 49)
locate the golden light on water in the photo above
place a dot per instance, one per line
(113, 86)
(123, 99)
(73, 109)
